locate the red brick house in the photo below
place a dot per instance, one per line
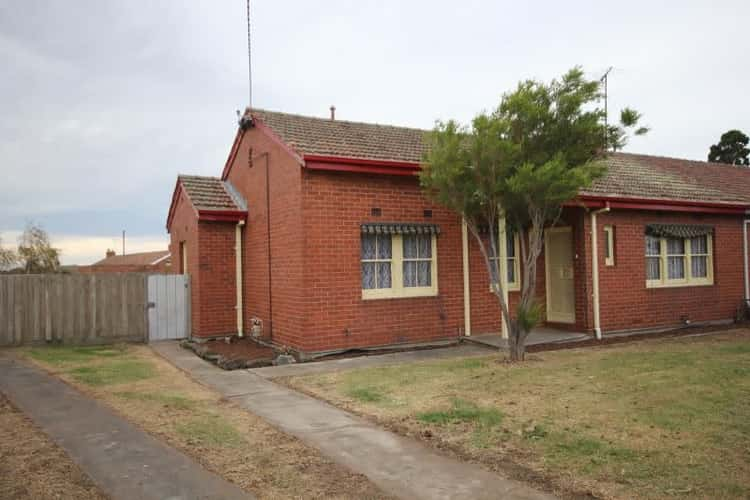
(142, 262)
(318, 229)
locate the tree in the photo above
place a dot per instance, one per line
(731, 149)
(536, 151)
(8, 257)
(35, 252)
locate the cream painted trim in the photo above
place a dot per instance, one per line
(688, 280)
(547, 287)
(238, 279)
(467, 285)
(515, 286)
(398, 290)
(183, 252)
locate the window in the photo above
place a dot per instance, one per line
(513, 267)
(398, 265)
(672, 261)
(609, 246)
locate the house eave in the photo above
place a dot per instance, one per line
(222, 215)
(667, 205)
(361, 165)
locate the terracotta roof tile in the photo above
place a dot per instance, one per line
(208, 193)
(642, 176)
(320, 136)
(133, 259)
(629, 175)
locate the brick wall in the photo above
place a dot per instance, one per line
(626, 302)
(335, 204)
(285, 304)
(185, 229)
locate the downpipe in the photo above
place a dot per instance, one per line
(595, 269)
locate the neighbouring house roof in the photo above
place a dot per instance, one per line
(319, 136)
(629, 176)
(134, 259)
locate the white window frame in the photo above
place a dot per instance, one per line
(398, 290)
(688, 280)
(609, 247)
(513, 286)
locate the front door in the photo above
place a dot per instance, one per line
(559, 265)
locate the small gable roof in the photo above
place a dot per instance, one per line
(208, 193)
(134, 259)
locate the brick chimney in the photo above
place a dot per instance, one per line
(333, 113)
(110, 253)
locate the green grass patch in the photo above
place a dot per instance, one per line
(656, 419)
(60, 355)
(365, 394)
(463, 411)
(210, 431)
(115, 372)
(171, 400)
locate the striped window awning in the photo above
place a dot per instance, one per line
(399, 228)
(678, 230)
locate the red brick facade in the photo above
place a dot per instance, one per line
(311, 300)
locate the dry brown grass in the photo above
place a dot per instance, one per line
(32, 467)
(224, 438)
(665, 418)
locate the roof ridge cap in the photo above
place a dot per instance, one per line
(328, 120)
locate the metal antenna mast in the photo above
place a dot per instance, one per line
(249, 61)
(606, 113)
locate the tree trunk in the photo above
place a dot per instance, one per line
(516, 343)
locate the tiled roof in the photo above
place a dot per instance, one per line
(656, 177)
(321, 136)
(208, 193)
(628, 175)
(133, 259)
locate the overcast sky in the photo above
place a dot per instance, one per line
(103, 103)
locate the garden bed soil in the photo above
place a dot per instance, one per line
(233, 355)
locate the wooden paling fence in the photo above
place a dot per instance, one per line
(73, 308)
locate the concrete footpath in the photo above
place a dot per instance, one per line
(125, 462)
(400, 466)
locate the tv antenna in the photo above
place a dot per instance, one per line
(249, 62)
(603, 80)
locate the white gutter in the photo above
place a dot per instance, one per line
(595, 270)
(467, 288)
(238, 266)
(747, 261)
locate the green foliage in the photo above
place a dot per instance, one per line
(463, 411)
(528, 316)
(35, 252)
(116, 372)
(732, 149)
(537, 150)
(8, 257)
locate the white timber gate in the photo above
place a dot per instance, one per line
(168, 307)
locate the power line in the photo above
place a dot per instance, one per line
(249, 61)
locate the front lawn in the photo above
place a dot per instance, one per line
(224, 438)
(655, 419)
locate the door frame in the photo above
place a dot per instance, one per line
(547, 287)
